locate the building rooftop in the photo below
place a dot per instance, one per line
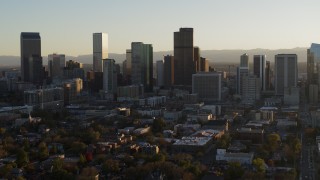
(30, 35)
(193, 141)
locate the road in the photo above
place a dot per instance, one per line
(307, 169)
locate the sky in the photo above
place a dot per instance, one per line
(66, 26)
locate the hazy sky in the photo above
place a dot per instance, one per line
(66, 26)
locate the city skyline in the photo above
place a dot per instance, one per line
(218, 25)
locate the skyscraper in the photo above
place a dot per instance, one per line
(244, 60)
(168, 70)
(242, 70)
(127, 66)
(313, 64)
(207, 85)
(142, 65)
(286, 72)
(196, 58)
(100, 50)
(56, 63)
(259, 69)
(184, 65)
(160, 71)
(36, 70)
(30, 44)
(250, 88)
(203, 65)
(268, 76)
(109, 76)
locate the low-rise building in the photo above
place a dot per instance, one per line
(141, 131)
(242, 158)
(192, 144)
(172, 115)
(256, 136)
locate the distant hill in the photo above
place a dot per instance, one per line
(218, 56)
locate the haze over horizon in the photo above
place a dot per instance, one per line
(240, 25)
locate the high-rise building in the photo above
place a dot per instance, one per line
(142, 65)
(313, 64)
(313, 93)
(268, 76)
(109, 76)
(127, 65)
(36, 70)
(286, 72)
(100, 50)
(250, 89)
(56, 63)
(160, 71)
(73, 70)
(241, 72)
(168, 70)
(203, 65)
(244, 60)
(207, 85)
(196, 58)
(30, 44)
(72, 90)
(259, 69)
(184, 65)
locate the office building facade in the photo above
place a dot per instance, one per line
(259, 69)
(286, 72)
(56, 63)
(207, 85)
(109, 76)
(100, 50)
(168, 70)
(142, 65)
(160, 73)
(30, 44)
(184, 65)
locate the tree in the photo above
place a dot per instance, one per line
(273, 141)
(158, 125)
(235, 171)
(110, 166)
(22, 158)
(43, 151)
(259, 164)
(224, 141)
(57, 165)
(82, 160)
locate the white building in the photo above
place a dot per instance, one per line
(207, 85)
(100, 50)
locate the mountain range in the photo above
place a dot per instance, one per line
(214, 56)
